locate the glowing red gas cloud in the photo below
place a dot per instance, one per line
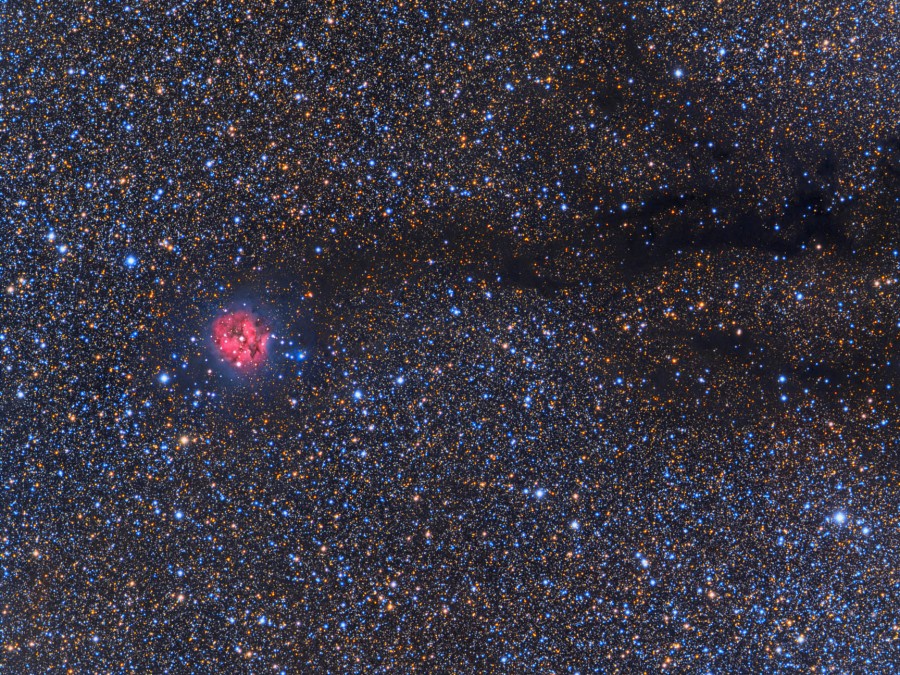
(240, 338)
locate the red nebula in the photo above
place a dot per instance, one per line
(240, 337)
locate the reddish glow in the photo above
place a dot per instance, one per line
(240, 338)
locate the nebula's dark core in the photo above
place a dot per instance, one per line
(240, 339)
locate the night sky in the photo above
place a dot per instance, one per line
(463, 337)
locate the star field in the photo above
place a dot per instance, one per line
(572, 327)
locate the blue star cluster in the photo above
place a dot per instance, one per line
(582, 337)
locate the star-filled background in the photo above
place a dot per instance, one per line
(463, 337)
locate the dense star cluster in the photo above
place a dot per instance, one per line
(420, 337)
